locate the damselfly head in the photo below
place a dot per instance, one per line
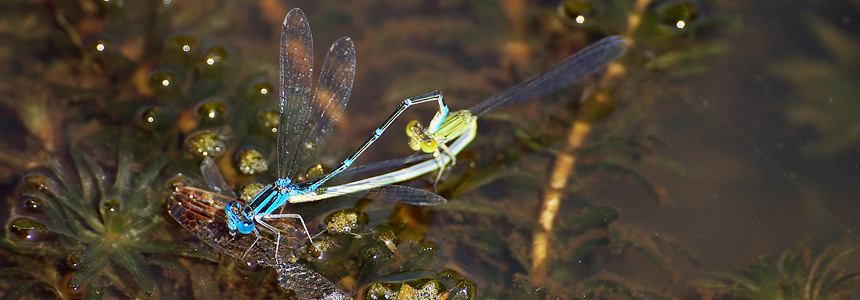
(414, 128)
(415, 132)
(233, 210)
(233, 207)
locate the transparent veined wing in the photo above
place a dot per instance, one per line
(565, 73)
(297, 61)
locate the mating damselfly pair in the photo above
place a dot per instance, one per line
(306, 117)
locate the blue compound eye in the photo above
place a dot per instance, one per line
(246, 226)
(233, 207)
(233, 211)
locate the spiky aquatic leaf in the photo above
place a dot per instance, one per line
(21, 288)
(134, 263)
(796, 275)
(592, 217)
(168, 264)
(606, 285)
(651, 245)
(93, 259)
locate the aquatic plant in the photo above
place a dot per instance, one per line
(105, 228)
(832, 274)
(824, 97)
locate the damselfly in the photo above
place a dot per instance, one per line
(444, 127)
(304, 121)
(202, 213)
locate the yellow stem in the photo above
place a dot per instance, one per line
(564, 164)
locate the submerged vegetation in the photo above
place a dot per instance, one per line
(825, 90)
(97, 230)
(115, 103)
(797, 274)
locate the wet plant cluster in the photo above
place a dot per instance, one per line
(388, 260)
(797, 274)
(93, 229)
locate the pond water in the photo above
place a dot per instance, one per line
(726, 136)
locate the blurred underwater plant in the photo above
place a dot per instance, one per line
(825, 101)
(832, 274)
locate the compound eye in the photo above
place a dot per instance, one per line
(429, 146)
(410, 128)
(234, 207)
(246, 226)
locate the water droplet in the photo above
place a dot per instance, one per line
(248, 268)
(385, 235)
(74, 259)
(458, 287)
(39, 182)
(28, 229)
(212, 112)
(111, 206)
(578, 11)
(426, 247)
(33, 205)
(181, 51)
(215, 55)
(678, 15)
(182, 42)
(162, 79)
(373, 256)
(178, 182)
(99, 45)
(321, 250)
(156, 118)
(150, 114)
(69, 290)
(269, 121)
(262, 90)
